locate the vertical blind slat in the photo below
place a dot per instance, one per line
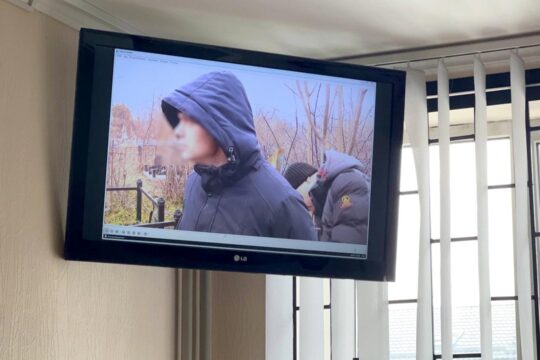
(311, 324)
(279, 315)
(444, 160)
(521, 207)
(480, 121)
(342, 319)
(416, 120)
(372, 314)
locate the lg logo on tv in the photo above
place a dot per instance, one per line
(239, 258)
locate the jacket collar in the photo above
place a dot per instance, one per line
(215, 178)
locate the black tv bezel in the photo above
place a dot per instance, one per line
(92, 91)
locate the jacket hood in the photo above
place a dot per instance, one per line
(218, 102)
(335, 163)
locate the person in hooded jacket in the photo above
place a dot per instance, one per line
(337, 194)
(232, 190)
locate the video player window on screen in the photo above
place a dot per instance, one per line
(200, 146)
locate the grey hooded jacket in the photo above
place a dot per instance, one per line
(341, 199)
(246, 196)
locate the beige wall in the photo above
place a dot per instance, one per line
(54, 309)
(51, 308)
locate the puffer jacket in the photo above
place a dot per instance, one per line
(341, 199)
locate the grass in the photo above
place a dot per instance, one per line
(124, 212)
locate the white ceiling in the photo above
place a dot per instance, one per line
(324, 29)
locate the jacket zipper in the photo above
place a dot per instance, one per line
(208, 195)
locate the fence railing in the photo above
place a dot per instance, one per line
(158, 203)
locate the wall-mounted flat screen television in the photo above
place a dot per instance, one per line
(195, 156)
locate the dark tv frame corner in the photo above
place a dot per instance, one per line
(81, 242)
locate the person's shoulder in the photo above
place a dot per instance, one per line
(192, 179)
(273, 176)
(350, 181)
(272, 185)
(193, 176)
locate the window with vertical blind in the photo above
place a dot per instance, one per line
(464, 241)
(402, 301)
(465, 286)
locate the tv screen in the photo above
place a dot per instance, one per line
(197, 156)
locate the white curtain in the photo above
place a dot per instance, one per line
(370, 319)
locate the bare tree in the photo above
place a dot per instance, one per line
(357, 117)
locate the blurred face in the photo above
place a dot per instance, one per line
(196, 145)
(304, 191)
